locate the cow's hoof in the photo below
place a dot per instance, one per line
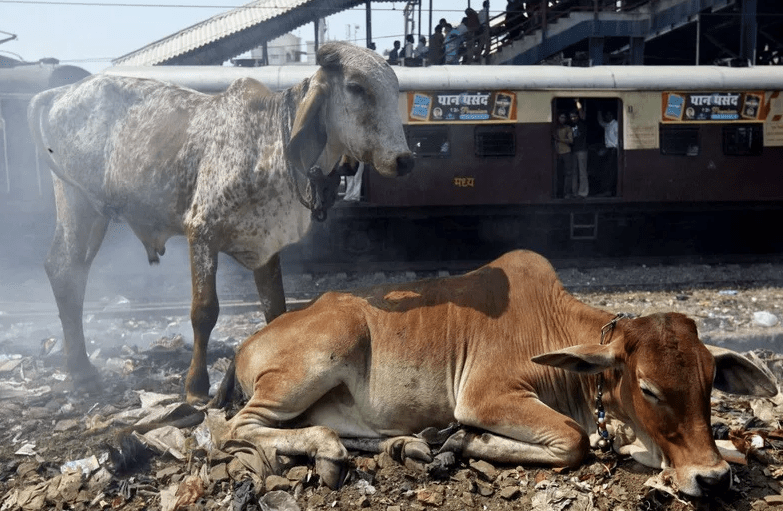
(417, 450)
(331, 471)
(455, 443)
(197, 389)
(197, 399)
(86, 380)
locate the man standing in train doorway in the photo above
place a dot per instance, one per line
(609, 157)
(564, 139)
(579, 149)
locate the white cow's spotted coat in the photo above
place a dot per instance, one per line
(169, 160)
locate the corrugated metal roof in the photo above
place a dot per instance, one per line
(226, 35)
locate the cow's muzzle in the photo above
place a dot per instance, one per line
(405, 164)
(714, 484)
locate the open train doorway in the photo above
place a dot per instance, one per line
(587, 146)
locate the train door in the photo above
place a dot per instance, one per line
(587, 160)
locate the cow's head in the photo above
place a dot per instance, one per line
(658, 380)
(351, 107)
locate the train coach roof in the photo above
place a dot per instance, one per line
(217, 78)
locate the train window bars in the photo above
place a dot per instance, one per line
(495, 141)
(680, 140)
(743, 139)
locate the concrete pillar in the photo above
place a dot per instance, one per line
(637, 51)
(748, 30)
(596, 51)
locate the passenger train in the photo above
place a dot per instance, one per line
(697, 168)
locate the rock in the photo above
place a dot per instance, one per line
(484, 469)
(433, 496)
(774, 500)
(363, 501)
(165, 473)
(297, 474)
(510, 492)
(467, 499)
(484, 489)
(316, 501)
(277, 483)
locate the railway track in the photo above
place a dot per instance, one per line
(581, 275)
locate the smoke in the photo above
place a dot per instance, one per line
(127, 302)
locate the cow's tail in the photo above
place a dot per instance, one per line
(38, 108)
(225, 393)
(37, 113)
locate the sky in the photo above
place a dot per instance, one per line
(90, 33)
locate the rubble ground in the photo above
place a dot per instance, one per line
(63, 450)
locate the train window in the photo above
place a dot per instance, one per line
(494, 141)
(680, 140)
(429, 141)
(743, 139)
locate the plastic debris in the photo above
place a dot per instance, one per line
(85, 465)
(167, 439)
(27, 449)
(765, 319)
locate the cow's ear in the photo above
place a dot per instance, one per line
(330, 55)
(736, 374)
(308, 134)
(584, 358)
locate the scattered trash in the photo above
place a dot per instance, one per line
(176, 468)
(27, 449)
(150, 399)
(86, 465)
(764, 318)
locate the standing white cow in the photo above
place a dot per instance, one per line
(220, 169)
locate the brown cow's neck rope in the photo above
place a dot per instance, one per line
(605, 442)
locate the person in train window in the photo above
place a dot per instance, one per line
(564, 139)
(579, 149)
(609, 153)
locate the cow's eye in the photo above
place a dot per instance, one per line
(649, 394)
(355, 88)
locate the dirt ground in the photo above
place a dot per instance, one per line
(62, 450)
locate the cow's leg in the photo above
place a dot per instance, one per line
(400, 448)
(77, 238)
(316, 442)
(280, 396)
(269, 282)
(521, 430)
(204, 310)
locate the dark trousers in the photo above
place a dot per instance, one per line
(607, 178)
(565, 168)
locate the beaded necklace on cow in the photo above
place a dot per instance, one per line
(605, 442)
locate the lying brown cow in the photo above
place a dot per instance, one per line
(505, 349)
(227, 170)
